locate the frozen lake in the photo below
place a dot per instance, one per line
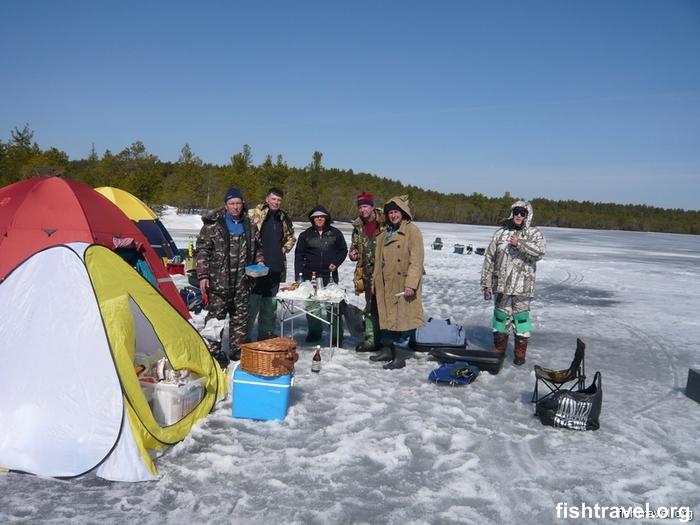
(365, 445)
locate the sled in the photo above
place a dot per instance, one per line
(485, 360)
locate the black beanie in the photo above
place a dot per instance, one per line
(391, 205)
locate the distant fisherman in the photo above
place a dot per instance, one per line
(509, 269)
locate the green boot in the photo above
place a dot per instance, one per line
(267, 318)
(371, 332)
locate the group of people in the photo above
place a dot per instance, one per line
(388, 250)
(232, 238)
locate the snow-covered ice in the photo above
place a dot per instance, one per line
(365, 445)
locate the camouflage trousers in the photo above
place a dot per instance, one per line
(235, 304)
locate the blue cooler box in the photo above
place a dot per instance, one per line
(260, 397)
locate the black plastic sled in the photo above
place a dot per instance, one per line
(487, 361)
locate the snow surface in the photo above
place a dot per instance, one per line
(365, 445)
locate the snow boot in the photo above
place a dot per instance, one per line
(399, 360)
(520, 350)
(385, 354)
(500, 341)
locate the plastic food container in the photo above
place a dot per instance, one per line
(256, 270)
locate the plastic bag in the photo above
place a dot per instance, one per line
(577, 410)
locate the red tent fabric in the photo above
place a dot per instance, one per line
(46, 211)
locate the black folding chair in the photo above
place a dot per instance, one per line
(555, 380)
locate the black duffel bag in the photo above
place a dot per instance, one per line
(577, 410)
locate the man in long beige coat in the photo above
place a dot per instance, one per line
(397, 281)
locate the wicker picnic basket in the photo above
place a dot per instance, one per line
(271, 357)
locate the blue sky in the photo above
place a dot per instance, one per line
(586, 100)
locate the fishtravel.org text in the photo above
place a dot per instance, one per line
(683, 514)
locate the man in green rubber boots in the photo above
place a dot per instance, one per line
(510, 264)
(277, 235)
(365, 229)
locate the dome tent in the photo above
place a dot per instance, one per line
(145, 218)
(70, 399)
(46, 211)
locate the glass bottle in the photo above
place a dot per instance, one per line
(313, 281)
(316, 361)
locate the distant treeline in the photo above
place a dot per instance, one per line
(192, 183)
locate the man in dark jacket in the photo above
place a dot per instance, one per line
(226, 244)
(277, 235)
(320, 249)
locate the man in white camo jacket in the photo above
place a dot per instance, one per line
(510, 264)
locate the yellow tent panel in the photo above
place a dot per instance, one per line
(132, 206)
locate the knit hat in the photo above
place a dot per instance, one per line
(365, 198)
(233, 193)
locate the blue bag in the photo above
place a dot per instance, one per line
(458, 373)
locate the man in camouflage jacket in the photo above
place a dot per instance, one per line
(510, 264)
(226, 244)
(277, 235)
(365, 229)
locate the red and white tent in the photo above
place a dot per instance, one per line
(47, 211)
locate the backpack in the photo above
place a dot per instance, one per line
(192, 298)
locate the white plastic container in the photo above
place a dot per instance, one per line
(170, 402)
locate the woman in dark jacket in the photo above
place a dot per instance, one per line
(321, 248)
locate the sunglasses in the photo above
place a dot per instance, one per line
(520, 211)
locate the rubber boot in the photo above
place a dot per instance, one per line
(385, 354)
(500, 341)
(399, 360)
(372, 330)
(267, 318)
(520, 350)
